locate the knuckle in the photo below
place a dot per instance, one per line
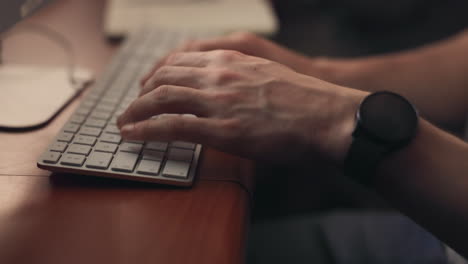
(174, 126)
(228, 55)
(161, 72)
(224, 76)
(231, 128)
(172, 58)
(141, 129)
(226, 98)
(161, 94)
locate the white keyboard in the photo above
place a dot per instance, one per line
(90, 143)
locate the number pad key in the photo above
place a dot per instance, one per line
(85, 140)
(78, 119)
(72, 160)
(110, 138)
(79, 149)
(112, 129)
(149, 167)
(65, 137)
(180, 154)
(177, 169)
(90, 131)
(95, 123)
(58, 146)
(124, 161)
(106, 147)
(72, 128)
(99, 160)
(51, 157)
(183, 145)
(130, 147)
(156, 145)
(101, 115)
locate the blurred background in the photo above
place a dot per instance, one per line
(362, 27)
(346, 28)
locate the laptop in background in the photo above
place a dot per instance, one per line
(123, 16)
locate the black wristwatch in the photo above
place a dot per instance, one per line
(385, 122)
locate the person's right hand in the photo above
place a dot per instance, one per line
(250, 44)
(245, 105)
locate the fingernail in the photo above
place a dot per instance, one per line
(127, 129)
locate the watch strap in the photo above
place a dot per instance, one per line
(362, 160)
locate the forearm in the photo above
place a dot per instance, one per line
(434, 77)
(428, 181)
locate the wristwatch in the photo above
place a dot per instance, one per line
(385, 122)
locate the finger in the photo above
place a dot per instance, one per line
(178, 58)
(236, 41)
(176, 127)
(175, 75)
(167, 99)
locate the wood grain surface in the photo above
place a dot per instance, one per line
(62, 218)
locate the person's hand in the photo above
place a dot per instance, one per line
(250, 44)
(244, 105)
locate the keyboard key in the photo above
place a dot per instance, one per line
(109, 101)
(153, 155)
(119, 112)
(105, 108)
(130, 147)
(106, 147)
(78, 119)
(124, 162)
(113, 120)
(72, 160)
(180, 154)
(58, 146)
(176, 169)
(156, 145)
(65, 137)
(114, 94)
(110, 138)
(95, 123)
(112, 129)
(99, 160)
(94, 96)
(85, 140)
(90, 131)
(149, 167)
(88, 103)
(135, 141)
(101, 115)
(79, 149)
(128, 99)
(51, 157)
(72, 128)
(83, 110)
(183, 145)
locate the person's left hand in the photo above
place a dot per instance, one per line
(244, 105)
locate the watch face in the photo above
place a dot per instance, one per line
(388, 117)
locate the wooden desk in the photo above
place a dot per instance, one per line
(76, 219)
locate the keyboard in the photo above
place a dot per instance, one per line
(90, 143)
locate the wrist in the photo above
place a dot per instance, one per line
(339, 135)
(366, 74)
(346, 72)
